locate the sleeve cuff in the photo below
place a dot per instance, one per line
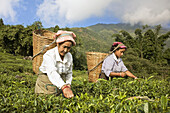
(108, 73)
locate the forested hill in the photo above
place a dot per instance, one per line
(113, 28)
(93, 41)
(99, 37)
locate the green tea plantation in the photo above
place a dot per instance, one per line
(120, 95)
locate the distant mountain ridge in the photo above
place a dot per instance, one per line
(99, 37)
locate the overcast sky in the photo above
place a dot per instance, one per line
(82, 13)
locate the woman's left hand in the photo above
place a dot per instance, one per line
(67, 92)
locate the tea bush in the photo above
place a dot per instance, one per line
(122, 95)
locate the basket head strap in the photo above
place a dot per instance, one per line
(117, 47)
(44, 47)
(65, 34)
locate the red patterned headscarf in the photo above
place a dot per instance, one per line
(115, 44)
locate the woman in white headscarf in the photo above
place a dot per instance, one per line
(56, 69)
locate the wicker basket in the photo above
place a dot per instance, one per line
(40, 39)
(93, 58)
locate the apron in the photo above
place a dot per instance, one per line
(44, 85)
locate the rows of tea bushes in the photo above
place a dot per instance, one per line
(120, 95)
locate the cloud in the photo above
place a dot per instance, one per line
(151, 12)
(67, 12)
(7, 9)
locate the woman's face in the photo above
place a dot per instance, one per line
(119, 52)
(64, 48)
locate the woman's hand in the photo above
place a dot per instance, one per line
(67, 91)
(122, 74)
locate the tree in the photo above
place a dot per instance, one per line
(1, 22)
(148, 45)
(147, 42)
(16, 39)
(125, 38)
(157, 43)
(56, 28)
(139, 40)
(10, 38)
(166, 55)
(37, 25)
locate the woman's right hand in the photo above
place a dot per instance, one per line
(122, 74)
(67, 92)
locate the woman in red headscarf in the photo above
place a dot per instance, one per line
(113, 65)
(56, 69)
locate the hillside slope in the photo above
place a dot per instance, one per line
(93, 41)
(99, 37)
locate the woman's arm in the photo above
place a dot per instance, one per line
(67, 88)
(128, 73)
(122, 74)
(51, 71)
(69, 75)
(113, 74)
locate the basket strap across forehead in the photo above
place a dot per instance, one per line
(65, 34)
(44, 47)
(118, 46)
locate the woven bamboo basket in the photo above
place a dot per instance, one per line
(93, 58)
(40, 39)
